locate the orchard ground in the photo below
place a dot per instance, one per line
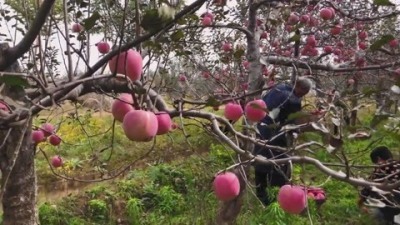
(173, 183)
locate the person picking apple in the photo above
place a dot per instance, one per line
(282, 100)
(384, 206)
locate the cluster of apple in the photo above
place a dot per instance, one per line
(102, 46)
(45, 131)
(291, 198)
(254, 110)
(140, 125)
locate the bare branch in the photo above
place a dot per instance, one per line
(286, 61)
(91, 70)
(12, 54)
(367, 18)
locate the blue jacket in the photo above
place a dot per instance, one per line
(281, 96)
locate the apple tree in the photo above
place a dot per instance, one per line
(197, 54)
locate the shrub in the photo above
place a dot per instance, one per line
(49, 215)
(134, 210)
(98, 211)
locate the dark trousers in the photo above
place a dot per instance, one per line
(267, 176)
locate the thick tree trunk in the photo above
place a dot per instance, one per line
(18, 178)
(19, 198)
(230, 210)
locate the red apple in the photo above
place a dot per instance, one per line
(264, 35)
(337, 52)
(54, 140)
(140, 125)
(362, 45)
(359, 26)
(4, 107)
(304, 19)
(328, 49)
(311, 41)
(227, 47)
(182, 78)
(233, 111)
(255, 110)
(333, 11)
(310, 7)
(246, 64)
(313, 22)
(38, 136)
(293, 19)
(360, 62)
(288, 28)
(226, 186)
(122, 106)
(130, 63)
(208, 14)
(205, 74)
(350, 81)
(394, 43)
(244, 86)
(326, 14)
(174, 126)
(207, 21)
(319, 196)
(103, 47)
(340, 44)
(77, 28)
(164, 123)
(48, 129)
(292, 199)
(362, 35)
(336, 30)
(56, 161)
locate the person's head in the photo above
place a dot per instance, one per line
(380, 155)
(302, 86)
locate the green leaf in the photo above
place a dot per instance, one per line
(383, 2)
(295, 37)
(238, 53)
(377, 119)
(178, 35)
(256, 106)
(297, 115)
(90, 22)
(212, 101)
(13, 81)
(151, 20)
(368, 91)
(382, 41)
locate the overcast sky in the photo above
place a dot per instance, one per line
(60, 43)
(94, 54)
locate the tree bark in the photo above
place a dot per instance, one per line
(19, 197)
(18, 177)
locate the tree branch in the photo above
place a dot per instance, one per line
(12, 54)
(368, 18)
(286, 61)
(91, 70)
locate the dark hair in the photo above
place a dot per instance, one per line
(381, 152)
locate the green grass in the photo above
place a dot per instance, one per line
(172, 185)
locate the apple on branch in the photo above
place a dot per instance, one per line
(226, 186)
